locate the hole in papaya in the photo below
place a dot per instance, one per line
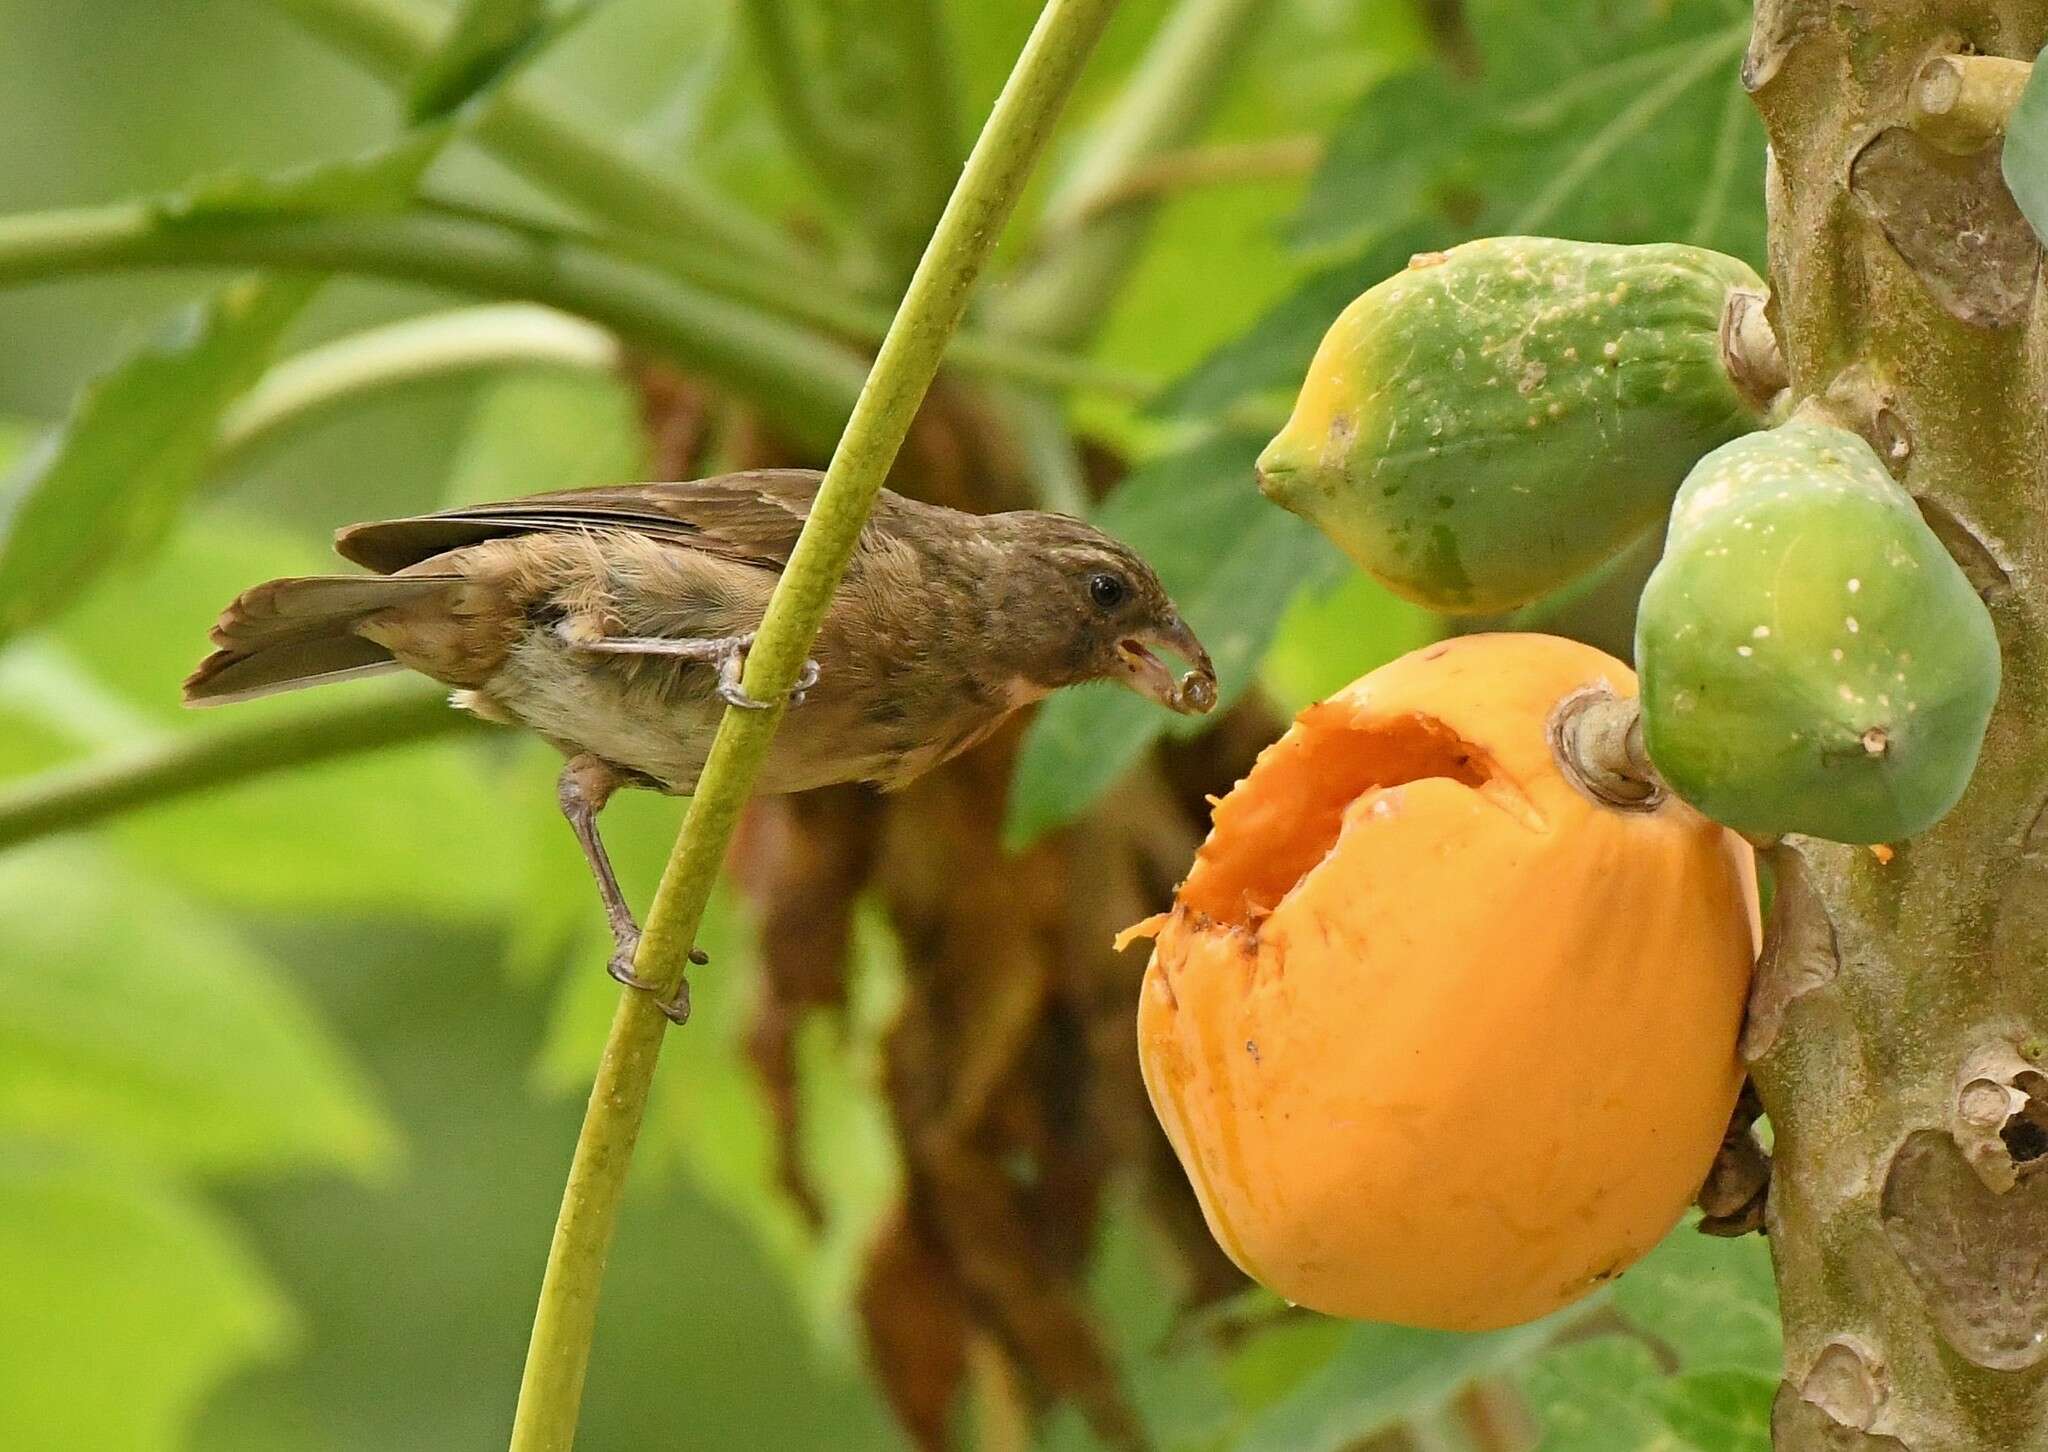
(1284, 818)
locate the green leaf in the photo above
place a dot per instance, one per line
(381, 179)
(1720, 1411)
(2025, 158)
(125, 1304)
(1381, 1376)
(1711, 1300)
(1582, 115)
(106, 485)
(1271, 356)
(1327, 641)
(132, 1020)
(419, 827)
(1403, 139)
(540, 431)
(1231, 561)
(485, 43)
(1602, 1395)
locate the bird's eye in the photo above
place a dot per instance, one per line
(1106, 590)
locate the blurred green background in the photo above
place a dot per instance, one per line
(290, 1069)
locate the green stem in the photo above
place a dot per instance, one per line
(73, 797)
(1016, 360)
(546, 137)
(804, 107)
(460, 340)
(1167, 103)
(552, 1387)
(1226, 163)
(807, 384)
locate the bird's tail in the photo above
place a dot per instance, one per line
(290, 633)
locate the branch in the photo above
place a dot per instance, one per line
(546, 137)
(1232, 163)
(74, 797)
(460, 340)
(1167, 103)
(807, 384)
(552, 1386)
(1960, 102)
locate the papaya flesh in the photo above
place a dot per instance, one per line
(1438, 1039)
(1490, 424)
(1813, 659)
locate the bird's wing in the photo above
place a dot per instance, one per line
(751, 518)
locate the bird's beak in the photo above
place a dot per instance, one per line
(1144, 672)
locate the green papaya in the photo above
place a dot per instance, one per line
(1812, 659)
(1490, 424)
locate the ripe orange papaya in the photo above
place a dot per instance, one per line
(1439, 1038)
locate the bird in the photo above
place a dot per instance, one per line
(614, 622)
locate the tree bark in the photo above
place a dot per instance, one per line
(1900, 1023)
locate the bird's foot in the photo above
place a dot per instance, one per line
(675, 1006)
(734, 661)
(727, 652)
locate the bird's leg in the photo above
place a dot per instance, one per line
(727, 652)
(586, 784)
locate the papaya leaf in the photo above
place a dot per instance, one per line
(133, 1021)
(2025, 157)
(1231, 561)
(486, 42)
(1578, 119)
(1379, 1377)
(105, 486)
(1711, 1301)
(126, 1304)
(1601, 1395)
(1720, 1411)
(1271, 356)
(419, 827)
(539, 431)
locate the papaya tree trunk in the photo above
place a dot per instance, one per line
(1899, 1033)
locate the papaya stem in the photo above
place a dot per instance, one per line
(1749, 347)
(551, 1388)
(1960, 102)
(1597, 738)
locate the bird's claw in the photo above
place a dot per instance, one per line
(677, 1005)
(733, 693)
(805, 679)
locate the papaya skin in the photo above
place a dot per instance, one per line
(1485, 427)
(1439, 1040)
(1814, 661)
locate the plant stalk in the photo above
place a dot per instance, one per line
(545, 136)
(551, 1388)
(435, 345)
(1167, 103)
(71, 798)
(1898, 1032)
(807, 384)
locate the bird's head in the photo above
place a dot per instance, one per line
(1083, 607)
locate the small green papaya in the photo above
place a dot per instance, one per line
(1500, 418)
(1812, 659)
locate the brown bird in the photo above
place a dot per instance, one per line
(615, 623)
